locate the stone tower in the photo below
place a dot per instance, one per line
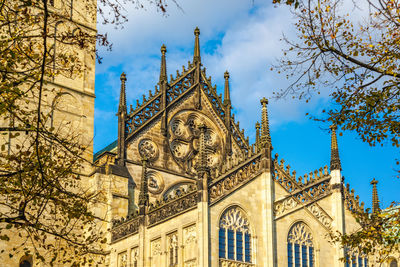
(68, 96)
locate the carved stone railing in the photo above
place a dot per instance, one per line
(302, 197)
(238, 135)
(128, 227)
(288, 179)
(152, 105)
(235, 178)
(142, 114)
(352, 202)
(180, 85)
(211, 92)
(172, 208)
(217, 103)
(231, 263)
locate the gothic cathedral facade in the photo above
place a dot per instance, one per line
(186, 188)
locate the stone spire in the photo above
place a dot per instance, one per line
(121, 156)
(163, 68)
(143, 195)
(196, 55)
(227, 98)
(228, 108)
(122, 95)
(265, 135)
(335, 160)
(375, 200)
(257, 136)
(202, 163)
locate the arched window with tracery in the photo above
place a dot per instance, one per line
(300, 246)
(234, 236)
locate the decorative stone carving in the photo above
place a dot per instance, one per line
(300, 234)
(234, 219)
(156, 253)
(148, 149)
(155, 182)
(172, 244)
(283, 206)
(124, 229)
(235, 178)
(123, 259)
(171, 208)
(189, 242)
(229, 263)
(177, 190)
(321, 215)
(134, 256)
(184, 140)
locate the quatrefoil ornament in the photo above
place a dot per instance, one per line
(184, 136)
(148, 149)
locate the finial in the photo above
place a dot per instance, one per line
(335, 160)
(264, 101)
(227, 98)
(123, 76)
(226, 75)
(163, 49)
(375, 200)
(265, 134)
(196, 55)
(163, 68)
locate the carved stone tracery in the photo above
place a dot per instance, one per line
(148, 149)
(234, 219)
(184, 140)
(155, 182)
(300, 234)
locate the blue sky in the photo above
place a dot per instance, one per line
(243, 37)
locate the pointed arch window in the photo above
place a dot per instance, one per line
(234, 241)
(300, 246)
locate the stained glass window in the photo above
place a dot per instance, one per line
(290, 254)
(234, 238)
(300, 249)
(239, 246)
(221, 242)
(231, 245)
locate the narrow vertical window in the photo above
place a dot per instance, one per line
(239, 246)
(360, 262)
(231, 245)
(297, 255)
(304, 255)
(222, 243)
(247, 247)
(300, 249)
(290, 255)
(353, 262)
(311, 256)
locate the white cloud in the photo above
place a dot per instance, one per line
(235, 35)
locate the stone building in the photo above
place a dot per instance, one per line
(186, 188)
(70, 97)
